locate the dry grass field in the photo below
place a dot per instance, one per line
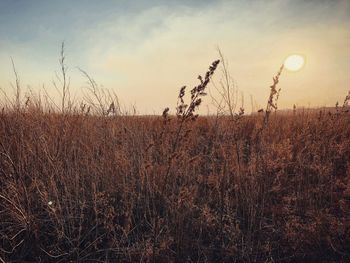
(80, 187)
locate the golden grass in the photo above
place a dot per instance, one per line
(78, 188)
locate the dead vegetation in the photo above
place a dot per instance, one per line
(82, 187)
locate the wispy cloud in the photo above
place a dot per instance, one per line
(146, 52)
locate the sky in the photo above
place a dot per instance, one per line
(145, 51)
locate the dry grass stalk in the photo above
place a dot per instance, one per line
(80, 187)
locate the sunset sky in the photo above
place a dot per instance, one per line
(146, 50)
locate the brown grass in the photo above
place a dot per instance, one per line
(81, 188)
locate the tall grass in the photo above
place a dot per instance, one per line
(79, 187)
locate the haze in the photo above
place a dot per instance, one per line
(146, 50)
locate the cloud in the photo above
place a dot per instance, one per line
(151, 54)
(146, 53)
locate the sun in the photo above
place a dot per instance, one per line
(294, 62)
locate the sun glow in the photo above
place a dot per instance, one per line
(294, 62)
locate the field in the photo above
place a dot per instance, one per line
(81, 187)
